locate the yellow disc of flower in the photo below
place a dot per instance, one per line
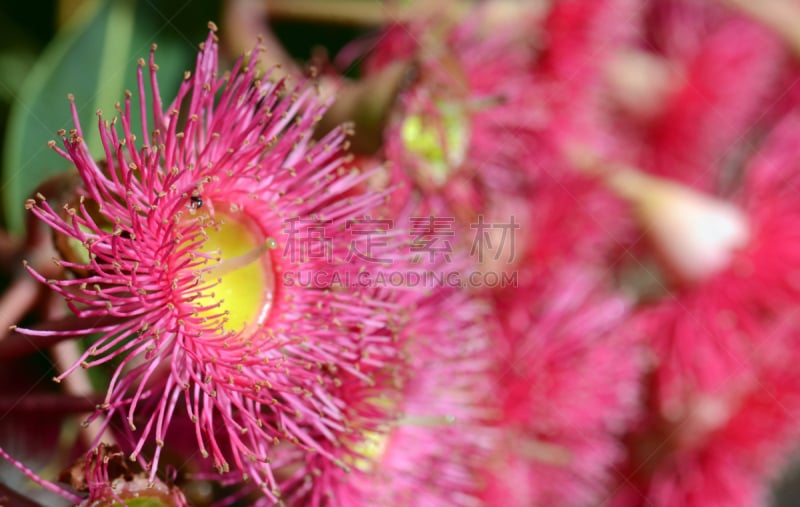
(244, 273)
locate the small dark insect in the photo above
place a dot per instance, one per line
(196, 202)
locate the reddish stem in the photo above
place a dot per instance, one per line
(17, 344)
(66, 354)
(49, 486)
(16, 301)
(47, 403)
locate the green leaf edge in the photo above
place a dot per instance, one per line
(33, 85)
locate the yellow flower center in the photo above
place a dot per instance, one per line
(368, 451)
(440, 142)
(244, 273)
(370, 448)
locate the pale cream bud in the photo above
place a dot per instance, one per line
(696, 234)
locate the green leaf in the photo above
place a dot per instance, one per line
(94, 58)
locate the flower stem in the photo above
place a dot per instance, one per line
(47, 403)
(17, 344)
(66, 354)
(17, 300)
(367, 104)
(244, 21)
(356, 12)
(49, 486)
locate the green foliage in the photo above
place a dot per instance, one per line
(93, 57)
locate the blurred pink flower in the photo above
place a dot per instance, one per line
(427, 435)
(724, 395)
(571, 380)
(724, 76)
(721, 419)
(457, 135)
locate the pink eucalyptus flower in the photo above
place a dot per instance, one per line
(725, 77)
(434, 437)
(446, 134)
(723, 395)
(419, 434)
(198, 312)
(719, 427)
(571, 377)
